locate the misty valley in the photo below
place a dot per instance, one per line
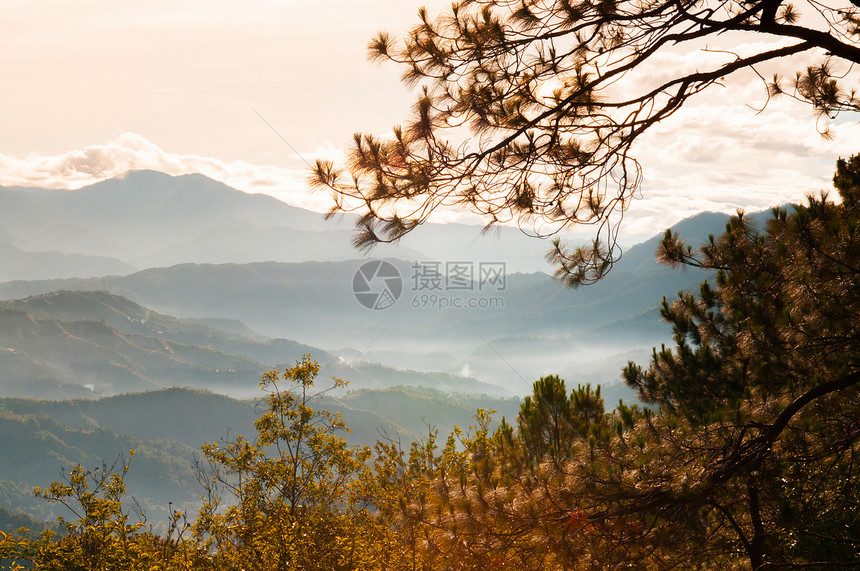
(140, 313)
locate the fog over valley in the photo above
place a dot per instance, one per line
(248, 283)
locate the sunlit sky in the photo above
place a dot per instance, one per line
(95, 88)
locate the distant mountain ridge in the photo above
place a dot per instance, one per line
(149, 219)
(314, 301)
(17, 264)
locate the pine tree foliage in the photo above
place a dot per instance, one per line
(551, 421)
(520, 117)
(765, 375)
(745, 458)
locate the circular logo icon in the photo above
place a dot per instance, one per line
(377, 284)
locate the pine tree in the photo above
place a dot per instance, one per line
(745, 456)
(520, 118)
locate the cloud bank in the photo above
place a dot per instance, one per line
(130, 151)
(707, 157)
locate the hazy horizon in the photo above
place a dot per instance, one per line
(217, 89)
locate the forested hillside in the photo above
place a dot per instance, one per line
(166, 428)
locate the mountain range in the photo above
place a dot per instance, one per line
(149, 219)
(73, 344)
(139, 313)
(531, 326)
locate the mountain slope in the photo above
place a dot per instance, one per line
(16, 263)
(86, 344)
(147, 219)
(94, 355)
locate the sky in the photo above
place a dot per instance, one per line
(250, 92)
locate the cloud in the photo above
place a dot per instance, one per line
(707, 157)
(130, 151)
(724, 157)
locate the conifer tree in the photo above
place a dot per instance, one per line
(744, 458)
(764, 382)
